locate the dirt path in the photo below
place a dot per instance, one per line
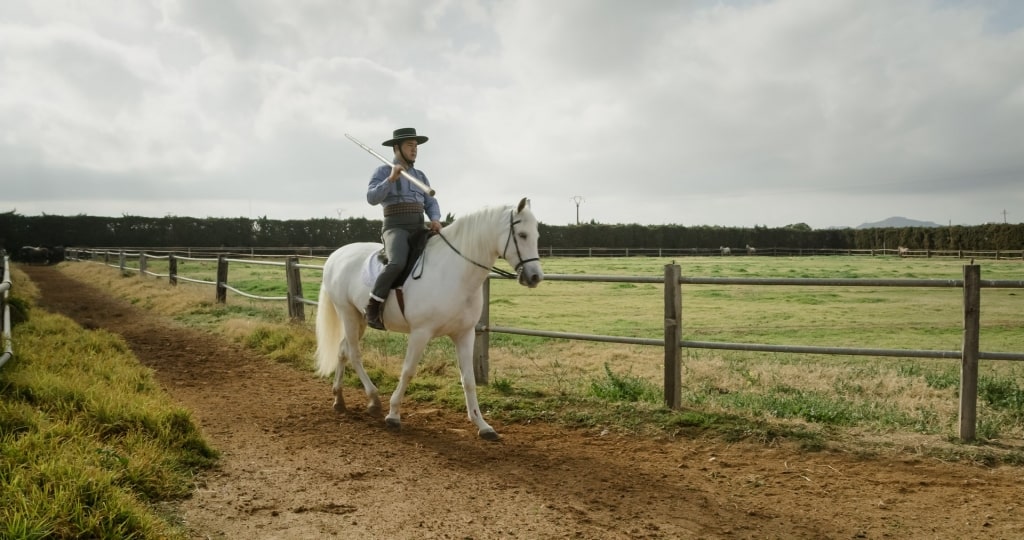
(292, 468)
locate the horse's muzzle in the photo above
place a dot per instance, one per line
(529, 273)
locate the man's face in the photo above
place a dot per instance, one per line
(409, 149)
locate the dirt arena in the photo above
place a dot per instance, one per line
(293, 468)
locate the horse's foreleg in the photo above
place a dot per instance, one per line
(464, 349)
(413, 352)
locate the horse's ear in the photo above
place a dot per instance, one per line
(523, 204)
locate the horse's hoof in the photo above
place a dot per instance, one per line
(339, 406)
(489, 435)
(373, 409)
(393, 423)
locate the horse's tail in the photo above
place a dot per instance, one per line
(328, 334)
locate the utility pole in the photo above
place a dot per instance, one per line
(577, 199)
(1004, 215)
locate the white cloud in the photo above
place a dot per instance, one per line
(702, 112)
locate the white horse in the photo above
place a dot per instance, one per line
(725, 250)
(751, 250)
(444, 297)
(903, 251)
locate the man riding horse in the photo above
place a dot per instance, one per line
(404, 205)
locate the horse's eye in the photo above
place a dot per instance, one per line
(523, 235)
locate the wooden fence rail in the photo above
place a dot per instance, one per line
(322, 252)
(780, 252)
(673, 344)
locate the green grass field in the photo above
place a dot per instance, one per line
(90, 445)
(816, 399)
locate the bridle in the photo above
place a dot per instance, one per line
(511, 239)
(515, 242)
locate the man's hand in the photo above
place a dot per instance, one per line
(435, 227)
(396, 171)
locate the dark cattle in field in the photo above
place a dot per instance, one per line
(34, 255)
(56, 254)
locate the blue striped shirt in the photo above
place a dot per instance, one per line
(385, 193)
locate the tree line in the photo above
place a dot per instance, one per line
(17, 231)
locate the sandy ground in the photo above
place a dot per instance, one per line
(293, 468)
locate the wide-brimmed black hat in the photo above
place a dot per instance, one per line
(402, 134)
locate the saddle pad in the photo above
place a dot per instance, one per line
(371, 269)
(374, 266)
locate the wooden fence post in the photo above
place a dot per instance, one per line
(296, 309)
(172, 269)
(481, 346)
(6, 346)
(120, 261)
(969, 353)
(142, 264)
(222, 279)
(673, 337)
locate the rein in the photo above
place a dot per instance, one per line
(511, 238)
(500, 271)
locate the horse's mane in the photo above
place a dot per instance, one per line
(474, 233)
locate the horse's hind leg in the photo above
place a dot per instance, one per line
(339, 374)
(372, 395)
(351, 350)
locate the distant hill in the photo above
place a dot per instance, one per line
(897, 221)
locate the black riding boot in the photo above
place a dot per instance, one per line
(373, 314)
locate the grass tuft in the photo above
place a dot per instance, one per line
(627, 387)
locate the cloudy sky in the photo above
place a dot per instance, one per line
(701, 112)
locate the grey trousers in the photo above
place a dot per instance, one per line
(395, 235)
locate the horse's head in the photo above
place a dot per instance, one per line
(520, 245)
